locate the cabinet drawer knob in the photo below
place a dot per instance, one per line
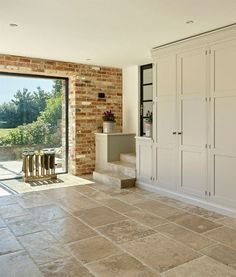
(174, 133)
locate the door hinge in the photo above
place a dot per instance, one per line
(206, 52)
(206, 146)
(205, 193)
(206, 99)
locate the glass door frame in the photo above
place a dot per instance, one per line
(66, 79)
(141, 100)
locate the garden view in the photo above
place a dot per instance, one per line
(31, 120)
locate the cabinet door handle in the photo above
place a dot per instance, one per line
(174, 133)
(179, 133)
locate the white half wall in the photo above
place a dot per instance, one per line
(131, 99)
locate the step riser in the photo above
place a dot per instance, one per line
(128, 158)
(131, 172)
(108, 180)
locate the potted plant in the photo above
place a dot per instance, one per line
(108, 122)
(148, 124)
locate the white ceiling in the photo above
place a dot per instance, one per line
(109, 32)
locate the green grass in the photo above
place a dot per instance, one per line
(4, 132)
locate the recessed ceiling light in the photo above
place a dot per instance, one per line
(88, 59)
(189, 22)
(13, 25)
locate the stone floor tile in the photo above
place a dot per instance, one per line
(121, 266)
(118, 205)
(33, 199)
(222, 254)
(18, 264)
(92, 249)
(69, 267)
(58, 193)
(146, 218)
(192, 239)
(12, 210)
(23, 225)
(99, 216)
(8, 243)
(97, 195)
(170, 201)
(7, 200)
(68, 229)
(86, 190)
(227, 221)
(158, 208)
(159, 252)
(124, 231)
(47, 213)
(39, 240)
(46, 255)
(139, 190)
(2, 223)
(202, 267)
(223, 235)
(205, 213)
(195, 223)
(129, 197)
(77, 204)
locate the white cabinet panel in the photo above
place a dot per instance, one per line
(225, 119)
(144, 151)
(224, 64)
(193, 66)
(165, 118)
(193, 175)
(166, 76)
(192, 122)
(166, 121)
(222, 156)
(165, 168)
(194, 125)
(225, 180)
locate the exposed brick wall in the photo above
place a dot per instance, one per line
(85, 109)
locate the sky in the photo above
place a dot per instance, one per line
(9, 85)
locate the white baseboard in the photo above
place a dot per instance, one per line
(188, 199)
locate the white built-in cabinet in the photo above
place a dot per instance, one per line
(144, 162)
(194, 122)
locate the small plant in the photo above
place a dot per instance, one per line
(108, 116)
(148, 117)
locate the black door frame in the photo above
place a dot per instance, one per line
(66, 79)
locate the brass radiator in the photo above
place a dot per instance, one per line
(39, 165)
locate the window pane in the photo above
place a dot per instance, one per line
(147, 92)
(147, 106)
(147, 76)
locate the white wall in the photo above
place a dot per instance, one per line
(131, 99)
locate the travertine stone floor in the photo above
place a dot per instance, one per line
(98, 230)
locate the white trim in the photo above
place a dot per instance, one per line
(188, 199)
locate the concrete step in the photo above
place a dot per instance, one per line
(123, 168)
(113, 178)
(128, 158)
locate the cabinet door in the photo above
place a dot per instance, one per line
(192, 122)
(165, 120)
(222, 158)
(144, 159)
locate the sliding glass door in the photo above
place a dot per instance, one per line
(33, 116)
